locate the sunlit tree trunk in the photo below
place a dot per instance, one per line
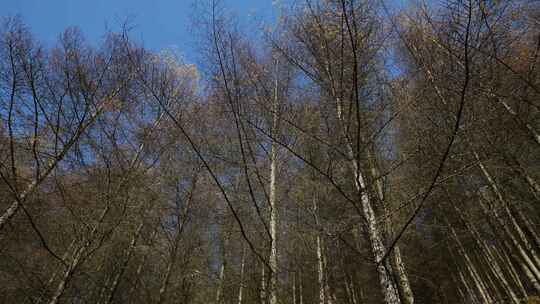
(471, 295)
(273, 260)
(262, 295)
(242, 267)
(398, 266)
(492, 262)
(21, 197)
(471, 268)
(221, 283)
(138, 272)
(129, 253)
(378, 249)
(319, 248)
(535, 263)
(525, 262)
(77, 256)
(510, 268)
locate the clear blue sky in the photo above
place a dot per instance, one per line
(159, 23)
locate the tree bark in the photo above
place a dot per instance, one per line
(273, 262)
(129, 253)
(525, 262)
(493, 264)
(480, 284)
(506, 208)
(242, 266)
(21, 197)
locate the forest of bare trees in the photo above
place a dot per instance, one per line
(351, 153)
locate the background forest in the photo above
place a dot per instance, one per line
(347, 154)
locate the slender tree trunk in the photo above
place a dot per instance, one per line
(525, 262)
(480, 284)
(378, 249)
(294, 288)
(140, 267)
(319, 248)
(349, 288)
(492, 262)
(300, 288)
(403, 279)
(129, 253)
(320, 271)
(273, 200)
(462, 294)
(330, 296)
(533, 133)
(21, 197)
(471, 294)
(53, 276)
(219, 292)
(242, 266)
(77, 256)
(263, 285)
(69, 272)
(510, 268)
(398, 265)
(505, 206)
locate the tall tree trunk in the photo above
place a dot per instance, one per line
(221, 283)
(471, 294)
(480, 284)
(263, 285)
(504, 258)
(300, 288)
(524, 262)
(140, 267)
(242, 266)
(123, 267)
(319, 248)
(273, 262)
(294, 288)
(378, 249)
(532, 132)
(492, 262)
(397, 264)
(77, 256)
(320, 271)
(506, 208)
(21, 197)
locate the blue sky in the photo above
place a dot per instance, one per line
(159, 23)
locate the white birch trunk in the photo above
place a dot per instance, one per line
(378, 249)
(300, 289)
(219, 292)
(388, 288)
(320, 272)
(320, 262)
(510, 269)
(273, 200)
(535, 263)
(294, 288)
(129, 253)
(493, 264)
(263, 285)
(402, 278)
(480, 285)
(16, 204)
(140, 268)
(525, 262)
(531, 130)
(472, 295)
(77, 257)
(242, 266)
